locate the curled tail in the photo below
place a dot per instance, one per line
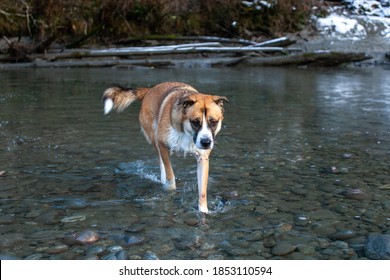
(119, 98)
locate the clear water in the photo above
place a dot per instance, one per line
(302, 159)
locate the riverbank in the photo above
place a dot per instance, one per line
(350, 34)
(362, 26)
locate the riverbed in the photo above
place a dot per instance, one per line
(300, 169)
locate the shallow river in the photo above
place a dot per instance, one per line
(300, 169)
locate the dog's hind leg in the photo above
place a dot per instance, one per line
(167, 175)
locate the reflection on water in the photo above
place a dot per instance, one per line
(300, 169)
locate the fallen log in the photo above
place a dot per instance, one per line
(128, 63)
(307, 59)
(152, 51)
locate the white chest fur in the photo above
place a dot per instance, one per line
(181, 142)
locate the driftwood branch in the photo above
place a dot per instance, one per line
(162, 50)
(187, 38)
(278, 42)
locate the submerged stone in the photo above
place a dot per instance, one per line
(56, 249)
(88, 237)
(343, 235)
(149, 255)
(72, 219)
(355, 193)
(133, 240)
(283, 248)
(377, 246)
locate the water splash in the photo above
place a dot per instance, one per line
(141, 168)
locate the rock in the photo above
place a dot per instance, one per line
(161, 222)
(347, 155)
(191, 219)
(267, 232)
(186, 244)
(114, 248)
(306, 249)
(255, 236)
(343, 235)
(357, 243)
(88, 237)
(322, 243)
(111, 256)
(56, 249)
(49, 218)
(377, 246)
(243, 251)
(2, 173)
(122, 255)
(34, 257)
(330, 252)
(33, 214)
(95, 250)
(7, 219)
(355, 193)
(269, 242)
(299, 191)
(301, 220)
(136, 228)
(11, 240)
(5, 257)
(73, 219)
(323, 230)
(340, 244)
(133, 240)
(283, 227)
(191, 222)
(149, 255)
(207, 246)
(229, 195)
(323, 214)
(77, 204)
(216, 257)
(283, 248)
(91, 257)
(341, 208)
(46, 234)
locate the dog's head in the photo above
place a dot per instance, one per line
(202, 117)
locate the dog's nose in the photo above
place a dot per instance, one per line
(205, 142)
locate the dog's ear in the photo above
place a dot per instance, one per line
(219, 100)
(186, 102)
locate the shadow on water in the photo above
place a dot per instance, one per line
(299, 171)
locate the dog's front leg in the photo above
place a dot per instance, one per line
(203, 176)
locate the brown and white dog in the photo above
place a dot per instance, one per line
(175, 117)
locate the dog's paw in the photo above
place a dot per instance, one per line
(170, 185)
(203, 209)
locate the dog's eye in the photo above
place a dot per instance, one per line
(196, 123)
(213, 123)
